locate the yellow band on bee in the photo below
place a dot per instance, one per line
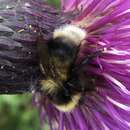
(49, 85)
(70, 105)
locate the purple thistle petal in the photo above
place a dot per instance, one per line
(61, 121)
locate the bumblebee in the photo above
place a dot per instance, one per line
(62, 84)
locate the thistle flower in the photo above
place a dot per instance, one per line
(107, 25)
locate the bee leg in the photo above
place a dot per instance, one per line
(87, 60)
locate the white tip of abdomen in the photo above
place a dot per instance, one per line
(72, 32)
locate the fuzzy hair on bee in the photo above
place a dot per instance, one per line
(63, 86)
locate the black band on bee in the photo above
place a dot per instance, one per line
(62, 47)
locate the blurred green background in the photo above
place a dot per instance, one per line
(17, 111)
(56, 3)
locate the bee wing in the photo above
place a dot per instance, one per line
(43, 55)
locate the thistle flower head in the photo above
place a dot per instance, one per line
(107, 25)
